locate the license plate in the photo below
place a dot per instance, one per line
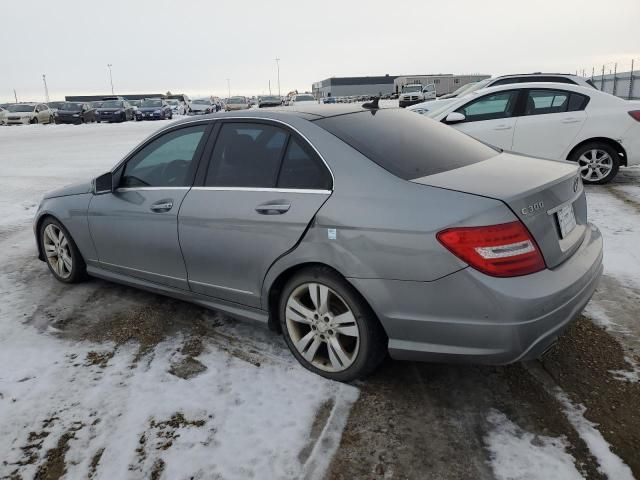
(566, 220)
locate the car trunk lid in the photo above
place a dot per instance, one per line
(547, 196)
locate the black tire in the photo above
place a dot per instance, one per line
(78, 271)
(372, 339)
(34, 121)
(597, 146)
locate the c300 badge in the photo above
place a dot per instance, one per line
(534, 207)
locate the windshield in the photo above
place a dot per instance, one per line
(237, 100)
(135, 103)
(112, 104)
(201, 101)
(172, 102)
(20, 108)
(305, 98)
(412, 88)
(96, 104)
(74, 107)
(270, 99)
(55, 104)
(152, 103)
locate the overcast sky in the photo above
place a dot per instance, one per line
(193, 46)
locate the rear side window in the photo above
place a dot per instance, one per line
(302, 169)
(541, 102)
(491, 107)
(406, 144)
(246, 155)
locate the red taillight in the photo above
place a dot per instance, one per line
(635, 114)
(505, 250)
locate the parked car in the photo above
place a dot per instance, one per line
(75, 112)
(115, 111)
(303, 99)
(552, 120)
(329, 100)
(26, 113)
(269, 101)
(268, 224)
(154, 109)
(96, 104)
(177, 107)
(424, 107)
(135, 104)
(3, 114)
(201, 106)
(237, 103)
(53, 106)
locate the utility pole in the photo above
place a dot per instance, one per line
(15, 95)
(278, 66)
(615, 78)
(109, 65)
(630, 81)
(229, 87)
(46, 90)
(269, 87)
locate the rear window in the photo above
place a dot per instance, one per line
(406, 144)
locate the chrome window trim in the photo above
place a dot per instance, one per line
(131, 189)
(260, 189)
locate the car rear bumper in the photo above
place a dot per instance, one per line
(471, 317)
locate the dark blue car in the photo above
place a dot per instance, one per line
(154, 109)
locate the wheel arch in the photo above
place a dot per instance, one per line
(37, 228)
(275, 288)
(612, 143)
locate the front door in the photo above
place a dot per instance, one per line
(551, 120)
(490, 118)
(263, 186)
(135, 228)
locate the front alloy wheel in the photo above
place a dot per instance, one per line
(322, 327)
(57, 251)
(61, 253)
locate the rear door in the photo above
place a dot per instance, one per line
(263, 185)
(552, 118)
(491, 118)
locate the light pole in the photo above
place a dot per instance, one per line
(46, 90)
(278, 66)
(109, 65)
(229, 87)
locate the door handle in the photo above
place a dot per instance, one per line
(273, 208)
(570, 120)
(162, 206)
(503, 127)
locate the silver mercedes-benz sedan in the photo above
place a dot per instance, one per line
(353, 231)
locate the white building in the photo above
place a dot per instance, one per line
(444, 82)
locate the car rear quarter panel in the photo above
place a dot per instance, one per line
(384, 226)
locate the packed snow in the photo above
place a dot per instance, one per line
(108, 409)
(519, 455)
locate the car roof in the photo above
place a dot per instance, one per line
(539, 74)
(307, 112)
(539, 85)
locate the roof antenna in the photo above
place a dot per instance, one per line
(372, 105)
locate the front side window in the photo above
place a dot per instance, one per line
(490, 107)
(246, 155)
(166, 161)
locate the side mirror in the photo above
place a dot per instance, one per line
(455, 117)
(103, 184)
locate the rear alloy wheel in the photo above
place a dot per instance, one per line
(329, 328)
(62, 255)
(598, 163)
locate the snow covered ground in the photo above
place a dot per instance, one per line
(102, 381)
